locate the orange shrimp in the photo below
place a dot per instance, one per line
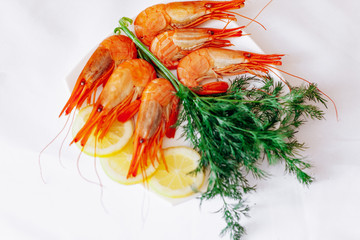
(171, 46)
(162, 17)
(110, 53)
(158, 112)
(208, 63)
(119, 99)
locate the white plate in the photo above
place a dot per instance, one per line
(244, 43)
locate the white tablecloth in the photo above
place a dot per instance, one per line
(42, 41)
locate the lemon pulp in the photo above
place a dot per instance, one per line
(177, 180)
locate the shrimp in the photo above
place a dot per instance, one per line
(162, 17)
(111, 52)
(208, 63)
(171, 46)
(119, 99)
(158, 112)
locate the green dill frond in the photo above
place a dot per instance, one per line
(232, 214)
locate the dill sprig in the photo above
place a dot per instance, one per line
(237, 130)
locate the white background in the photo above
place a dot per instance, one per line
(42, 41)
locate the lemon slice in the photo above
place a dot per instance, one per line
(177, 182)
(116, 138)
(117, 166)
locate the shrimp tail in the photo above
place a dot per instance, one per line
(212, 88)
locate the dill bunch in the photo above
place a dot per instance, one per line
(235, 131)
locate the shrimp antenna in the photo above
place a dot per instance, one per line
(307, 81)
(259, 13)
(281, 79)
(47, 145)
(100, 185)
(252, 19)
(62, 143)
(228, 22)
(79, 171)
(92, 182)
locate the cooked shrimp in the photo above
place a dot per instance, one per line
(119, 99)
(110, 53)
(209, 63)
(162, 17)
(171, 46)
(158, 112)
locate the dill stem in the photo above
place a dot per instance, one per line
(123, 26)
